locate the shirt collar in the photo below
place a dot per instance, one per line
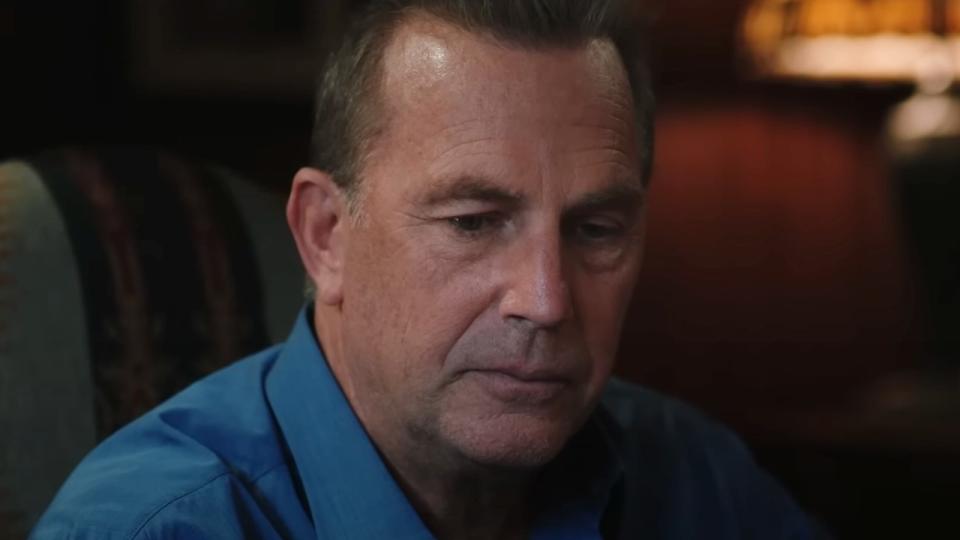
(350, 492)
(346, 482)
(575, 489)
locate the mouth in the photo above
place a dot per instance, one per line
(523, 388)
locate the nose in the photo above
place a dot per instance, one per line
(537, 289)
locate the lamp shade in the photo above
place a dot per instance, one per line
(855, 40)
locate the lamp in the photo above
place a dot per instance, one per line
(888, 41)
(913, 41)
(855, 40)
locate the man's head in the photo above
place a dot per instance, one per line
(476, 236)
(349, 99)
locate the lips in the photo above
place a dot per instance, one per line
(519, 386)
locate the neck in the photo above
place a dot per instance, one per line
(465, 501)
(462, 500)
(455, 498)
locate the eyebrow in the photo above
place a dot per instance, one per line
(473, 188)
(622, 195)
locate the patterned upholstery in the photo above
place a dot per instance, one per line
(125, 274)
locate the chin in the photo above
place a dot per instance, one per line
(514, 441)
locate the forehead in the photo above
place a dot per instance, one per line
(429, 56)
(450, 96)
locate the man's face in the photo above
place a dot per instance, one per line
(496, 248)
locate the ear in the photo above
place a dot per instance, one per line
(316, 213)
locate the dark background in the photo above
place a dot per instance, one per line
(800, 284)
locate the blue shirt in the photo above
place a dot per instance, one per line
(270, 448)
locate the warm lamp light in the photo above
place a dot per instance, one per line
(858, 40)
(911, 41)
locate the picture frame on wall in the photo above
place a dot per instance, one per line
(235, 48)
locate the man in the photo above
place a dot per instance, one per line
(473, 226)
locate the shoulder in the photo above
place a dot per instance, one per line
(680, 463)
(645, 415)
(191, 454)
(673, 435)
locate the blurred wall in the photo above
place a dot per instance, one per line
(775, 272)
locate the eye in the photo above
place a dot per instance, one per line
(601, 241)
(598, 230)
(474, 224)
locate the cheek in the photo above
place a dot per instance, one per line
(601, 303)
(453, 296)
(412, 300)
